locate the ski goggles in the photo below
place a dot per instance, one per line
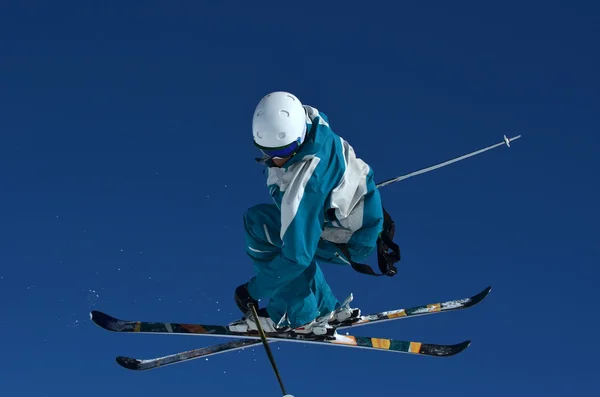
(282, 151)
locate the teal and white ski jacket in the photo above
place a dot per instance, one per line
(325, 174)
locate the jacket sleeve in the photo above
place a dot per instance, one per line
(301, 227)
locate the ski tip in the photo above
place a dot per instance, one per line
(444, 350)
(480, 296)
(462, 346)
(103, 320)
(129, 363)
(458, 348)
(487, 290)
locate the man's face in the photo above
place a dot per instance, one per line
(279, 162)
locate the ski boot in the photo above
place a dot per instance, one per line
(319, 327)
(247, 324)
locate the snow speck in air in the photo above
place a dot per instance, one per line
(92, 298)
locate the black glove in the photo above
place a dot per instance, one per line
(243, 299)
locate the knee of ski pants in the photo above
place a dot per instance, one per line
(330, 253)
(361, 245)
(262, 224)
(363, 241)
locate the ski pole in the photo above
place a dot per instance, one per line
(506, 142)
(263, 338)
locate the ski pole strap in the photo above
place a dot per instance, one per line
(388, 252)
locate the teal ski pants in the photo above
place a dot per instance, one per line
(308, 296)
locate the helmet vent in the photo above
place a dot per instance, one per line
(284, 113)
(281, 135)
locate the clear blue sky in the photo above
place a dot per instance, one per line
(126, 163)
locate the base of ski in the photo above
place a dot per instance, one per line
(116, 325)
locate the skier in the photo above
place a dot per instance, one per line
(326, 206)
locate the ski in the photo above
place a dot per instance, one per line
(115, 325)
(432, 308)
(176, 358)
(363, 342)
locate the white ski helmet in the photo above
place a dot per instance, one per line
(279, 124)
